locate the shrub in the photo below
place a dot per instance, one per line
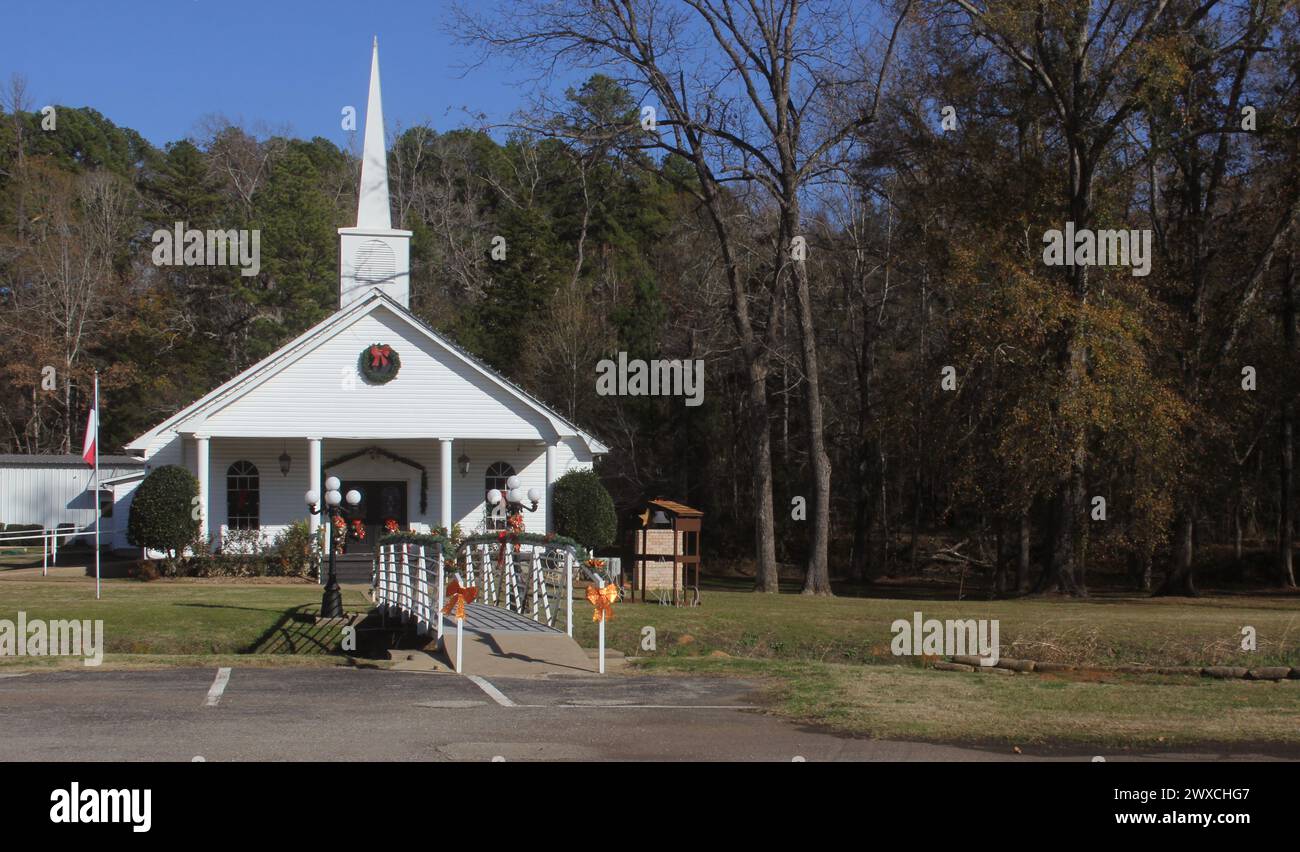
(24, 541)
(584, 510)
(162, 511)
(297, 553)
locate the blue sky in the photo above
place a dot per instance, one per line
(159, 67)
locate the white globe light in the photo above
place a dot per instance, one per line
(354, 497)
(312, 498)
(333, 497)
(493, 497)
(512, 483)
(333, 484)
(534, 495)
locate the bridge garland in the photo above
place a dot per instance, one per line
(444, 541)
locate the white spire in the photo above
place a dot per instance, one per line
(372, 202)
(374, 254)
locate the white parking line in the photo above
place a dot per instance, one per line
(218, 687)
(493, 693)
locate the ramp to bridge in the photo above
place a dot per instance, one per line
(501, 643)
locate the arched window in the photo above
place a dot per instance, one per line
(497, 474)
(243, 502)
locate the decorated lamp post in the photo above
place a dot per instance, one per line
(516, 500)
(331, 603)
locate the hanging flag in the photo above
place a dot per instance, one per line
(92, 437)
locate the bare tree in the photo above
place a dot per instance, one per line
(759, 96)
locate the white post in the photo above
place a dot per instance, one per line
(422, 595)
(568, 591)
(405, 605)
(54, 546)
(442, 588)
(98, 512)
(459, 624)
(313, 482)
(444, 471)
(201, 442)
(550, 486)
(45, 552)
(602, 641)
(602, 631)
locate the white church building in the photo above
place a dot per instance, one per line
(372, 395)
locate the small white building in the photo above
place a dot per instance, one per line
(372, 395)
(57, 490)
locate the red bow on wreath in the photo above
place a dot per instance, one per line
(379, 356)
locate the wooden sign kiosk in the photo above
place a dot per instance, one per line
(665, 548)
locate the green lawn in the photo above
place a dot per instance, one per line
(828, 662)
(1107, 631)
(1068, 710)
(179, 621)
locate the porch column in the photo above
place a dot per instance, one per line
(444, 472)
(550, 486)
(203, 463)
(313, 482)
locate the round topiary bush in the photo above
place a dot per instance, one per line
(162, 510)
(584, 510)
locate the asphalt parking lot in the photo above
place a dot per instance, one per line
(348, 714)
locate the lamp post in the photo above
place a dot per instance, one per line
(331, 602)
(515, 497)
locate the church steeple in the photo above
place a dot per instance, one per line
(374, 254)
(372, 203)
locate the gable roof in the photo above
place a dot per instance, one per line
(306, 342)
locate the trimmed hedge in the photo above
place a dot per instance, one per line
(162, 511)
(584, 510)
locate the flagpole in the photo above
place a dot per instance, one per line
(98, 510)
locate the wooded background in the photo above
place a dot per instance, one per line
(774, 121)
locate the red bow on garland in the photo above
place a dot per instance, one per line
(457, 597)
(379, 356)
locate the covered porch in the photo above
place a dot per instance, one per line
(252, 488)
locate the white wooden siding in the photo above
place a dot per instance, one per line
(434, 395)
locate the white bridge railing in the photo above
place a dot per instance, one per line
(534, 579)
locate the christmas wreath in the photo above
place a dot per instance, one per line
(379, 363)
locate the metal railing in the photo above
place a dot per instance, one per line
(49, 541)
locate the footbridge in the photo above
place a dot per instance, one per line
(518, 598)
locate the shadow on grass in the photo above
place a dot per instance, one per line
(295, 632)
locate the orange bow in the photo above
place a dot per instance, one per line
(603, 600)
(458, 596)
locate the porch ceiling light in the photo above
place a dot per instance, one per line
(463, 461)
(285, 461)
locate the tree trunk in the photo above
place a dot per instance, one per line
(1181, 579)
(1022, 564)
(1286, 476)
(766, 573)
(817, 576)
